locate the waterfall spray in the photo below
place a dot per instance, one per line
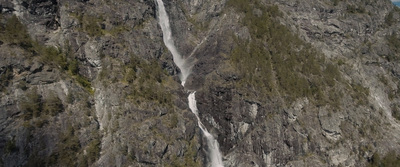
(179, 61)
(185, 67)
(213, 146)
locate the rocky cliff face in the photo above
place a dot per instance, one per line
(279, 83)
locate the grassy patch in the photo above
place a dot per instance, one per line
(147, 82)
(336, 2)
(360, 94)
(389, 19)
(94, 26)
(189, 157)
(276, 60)
(66, 149)
(32, 105)
(355, 9)
(391, 159)
(93, 151)
(394, 44)
(254, 66)
(35, 106)
(89, 24)
(396, 112)
(52, 105)
(15, 33)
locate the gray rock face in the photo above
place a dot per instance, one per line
(42, 78)
(330, 124)
(99, 88)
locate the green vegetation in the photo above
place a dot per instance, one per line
(355, 9)
(31, 106)
(5, 77)
(391, 159)
(38, 108)
(145, 79)
(10, 146)
(255, 71)
(389, 20)
(67, 149)
(52, 105)
(331, 74)
(93, 151)
(13, 32)
(34, 106)
(383, 79)
(394, 44)
(276, 54)
(170, 120)
(72, 67)
(22, 85)
(89, 24)
(94, 26)
(149, 82)
(52, 56)
(360, 94)
(65, 61)
(396, 112)
(336, 2)
(85, 83)
(189, 157)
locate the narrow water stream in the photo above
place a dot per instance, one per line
(214, 153)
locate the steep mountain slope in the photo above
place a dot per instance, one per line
(279, 83)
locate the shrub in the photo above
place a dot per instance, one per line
(31, 106)
(394, 44)
(391, 159)
(360, 94)
(89, 24)
(10, 146)
(93, 151)
(396, 112)
(66, 149)
(147, 82)
(274, 52)
(22, 85)
(331, 74)
(354, 9)
(51, 55)
(389, 20)
(41, 122)
(34, 106)
(52, 105)
(6, 76)
(85, 83)
(15, 33)
(336, 2)
(254, 66)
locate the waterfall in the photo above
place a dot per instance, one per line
(213, 146)
(169, 42)
(185, 67)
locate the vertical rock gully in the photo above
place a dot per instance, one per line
(215, 157)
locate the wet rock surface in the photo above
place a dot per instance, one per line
(95, 85)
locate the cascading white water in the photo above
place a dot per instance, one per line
(213, 146)
(185, 67)
(169, 42)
